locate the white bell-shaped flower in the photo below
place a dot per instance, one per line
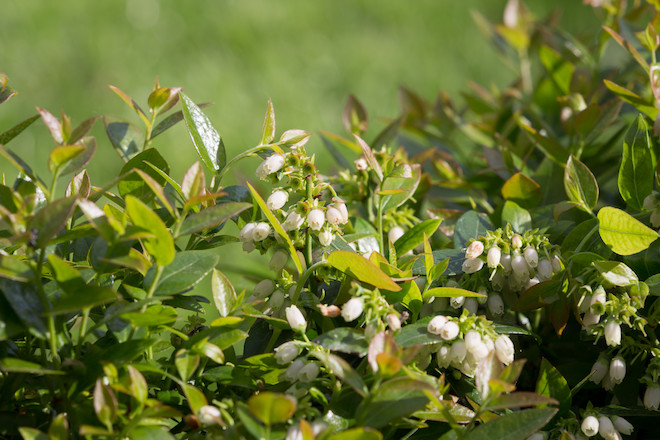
(599, 370)
(494, 256)
(504, 349)
(458, 352)
(617, 369)
(264, 288)
(309, 372)
(325, 237)
(495, 304)
(271, 165)
(606, 428)
(544, 269)
(531, 256)
(334, 216)
(260, 231)
(622, 425)
(472, 266)
(436, 324)
(652, 397)
(449, 331)
(589, 426)
(474, 250)
(315, 219)
(278, 260)
(209, 415)
(286, 352)
(277, 200)
(352, 309)
(613, 333)
(293, 222)
(395, 233)
(295, 318)
(246, 232)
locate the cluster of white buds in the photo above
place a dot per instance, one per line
(301, 371)
(610, 372)
(209, 415)
(464, 350)
(610, 428)
(271, 165)
(253, 232)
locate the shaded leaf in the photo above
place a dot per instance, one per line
(522, 190)
(516, 426)
(211, 217)
(184, 272)
(636, 170)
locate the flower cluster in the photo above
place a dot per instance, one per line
(610, 371)
(609, 428)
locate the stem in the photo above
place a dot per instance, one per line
(81, 333)
(380, 225)
(150, 126)
(53, 185)
(272, 340)
(303, 278)
(585, 239)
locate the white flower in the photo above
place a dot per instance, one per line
(599, 370)
(622, 425)
(494, 257)
(309, 372)
(271, 165)
(456, 301)
(479, 351)
(590, 319)
(556, 263)
(277, 200)
(294, 433)
(291, 373)
(617, 369)
(286, 352)
(613, 334)
(471, 305)
(544, 269)
(531, 256)
(209, 415)
(472, 266)
(293, 221)
(393, 322)
(444, 356)
(519, 266)
(598, 300)
(278, 260)
(264, 288)
(341, 206)
(325, 237)
(260, 231)
(296, 319)
(246, 233)
(475, 249)
(497, 280)
(505, 261)
(516, 242)
(449, 331)
(334, 216)
(458, 351)
(649, 203)
(504, 349)
(352, 309)
(606, 428)
(395, 233)
(652, 397)
(435, 324)
(495, 304)
(532, 282)
(361, 164)
(315, 219)
(590, 426)
(472, 339)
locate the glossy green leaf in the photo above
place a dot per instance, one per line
(211, 217)
(519, 399)
(522, 190)
(50, 220)
(268, 130)
(406, 187)
(17, 129)
(184, 272)
(450, 292)
(559, 68)
(105, 404)
(85, 298)
(224, 294)
(632, 98)
(153, 316)
(470, 225)
(519, 218)
(32, 434)
(151, 433)
(272, 408)
(82, 129)
(636, 171)
(205, 137)
(616, 273)
(62, 155)
(66, 276)
(515, 426)
(361, 433)
(125, 137)
(132, 183)
(409, 296)
(132, 104)
(345, 340)
(552, 384)
(361, 269)
(551, 148)
(414, 236)
(138, 384)
(580, 184)
(25, 301)
(196, 398)
(53, 124)
(186, 363)
(161, 246)
(15, 365)
(623, 233)
(395, 398)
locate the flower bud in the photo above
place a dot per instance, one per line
(494, 256)
(531, 256)
(519, 266)
(352, 309)
(334, 216)
(296, 319)
(599, 370)
(341, 206)
(271, 165)
(277, 200)
(260, 231)
(393, 322)
(444, 356)
(617, 369)
(361, 164)
(278, 260)
(590, 426)
(655, 218)
(556, 263)
(286, 352)
(472, 339)
(436, 324)
(276, 300)
(504, 349)
(589, 320)
(649, 203)
(458, 352)
(449, 331)
(598, 300)
(622, 425)
(325, 237)
(309, 372)
(246, 233)
(315, 219)
(395, 233)
(264, 288)
(474, 250)
(544, 269)
(472, 266)
(456, 301)
(293, 222)
(291, 373)
(495, 304)
(471, 305)
(606, 428)
(479, 351)
(505, 261)
(613, 334)
(516, 242)
(652, 397)
(331, 311)
(209, 415)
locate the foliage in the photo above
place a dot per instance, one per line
(472, 272)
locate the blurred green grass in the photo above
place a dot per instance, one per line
(306, 56)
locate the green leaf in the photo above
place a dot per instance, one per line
(14, 365)
(139, 387)
(50, 219)
(224, 294)
(62, 155)
(340, 368)
(361, 269)
(416, 334)
(211, 217)
(354, 117)
(17, 129)
(205, 137)
(345, 340)
(636, 171)
(105, 404)
(186, 363)
(184, 272)
(32, 434)
(85, 298)
(133, 184)
(59, 428)
(272, 408)
(151, 433)
(552, 384)
(279, 230)
(361, 433)
(409, 296)
(132, 104)
(53, 124)
(268, 130)
(516, 426)
(539, 295)
(398, 397)
(616, 273)
(406, 187)
(414, 236)
(451, 292)
(522, 190)
(153, 316)
(369, 156)
(520, 399)
(161, 246)
(632, 98)
(469, 225)
(580, 184)
(68, 278)
(26, 303)
(196, 398)
(519, 218)
(622, 233)
(125, 137)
